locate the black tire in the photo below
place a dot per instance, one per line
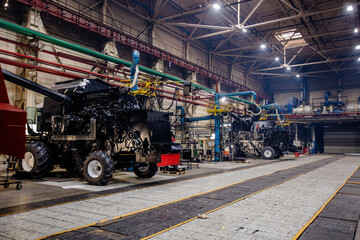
(72, 169)
(6, 185)
(279, 154)
(18, 186)
(98, 168)
(268, 153)
(147, 171)
(38, 161)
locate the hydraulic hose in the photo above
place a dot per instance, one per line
(136, 75)
(258, 113)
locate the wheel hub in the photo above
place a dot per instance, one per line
(94, 169)
(28, 162)
(144, 168)
(267, 153)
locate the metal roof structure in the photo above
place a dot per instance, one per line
(319, 37)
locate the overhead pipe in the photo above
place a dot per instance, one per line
(41, 69)
(270, 106)
(69, 75)
(203, 118)
(59, 65)
(75, 47)
(276, 106)
(42, 36)
(238, 94)
(68, 56)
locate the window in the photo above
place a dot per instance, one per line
(291, 38)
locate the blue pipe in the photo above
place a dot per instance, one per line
(135, 62)
(182, 113)
(271, 106)
(238, 94)
(217, 128)
(203, 118)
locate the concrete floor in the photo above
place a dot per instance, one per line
(60, 184)
(279, 200)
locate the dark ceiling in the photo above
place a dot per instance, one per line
(318, 37)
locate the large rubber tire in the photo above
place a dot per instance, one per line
(278, 153)
(98, 168)
(268, 153)
(38, 161)
(147, 171)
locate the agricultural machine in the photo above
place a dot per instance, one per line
(91, 128)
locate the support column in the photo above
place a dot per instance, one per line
(111, 50)
(304, 91)
(313, 141)
(339, 88)
(192, 78)
(151, 34)
(301, 91)
(187, 44)
(245, 78)
(103, 10)
(230, 67)
(217, 131)
(210, 60)
(28, 99)
(216, 86)
(296, 141)
(158, 65)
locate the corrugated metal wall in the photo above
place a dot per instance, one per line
(341, 140)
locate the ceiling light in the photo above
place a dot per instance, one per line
(223, 99)
(356, 30)
(359, 59)
(216, 6)
(297, 75)
(349, 8)
(244, 30)
(288, 68)
(263, 46)
(6, 4)
(357, 46)
(277, 59)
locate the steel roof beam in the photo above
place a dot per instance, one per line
(200, 10)
(198, 25)
(306, 64)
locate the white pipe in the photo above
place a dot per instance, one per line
(136, 75)
(278, 116)
(255, 114)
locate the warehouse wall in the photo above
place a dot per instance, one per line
(342, 138)
(174, 44)
(131, 22)
(169, 43)
(172, 40)
(282, 88)
(281, 98)
(9, 47)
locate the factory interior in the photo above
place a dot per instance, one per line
(179, 119)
